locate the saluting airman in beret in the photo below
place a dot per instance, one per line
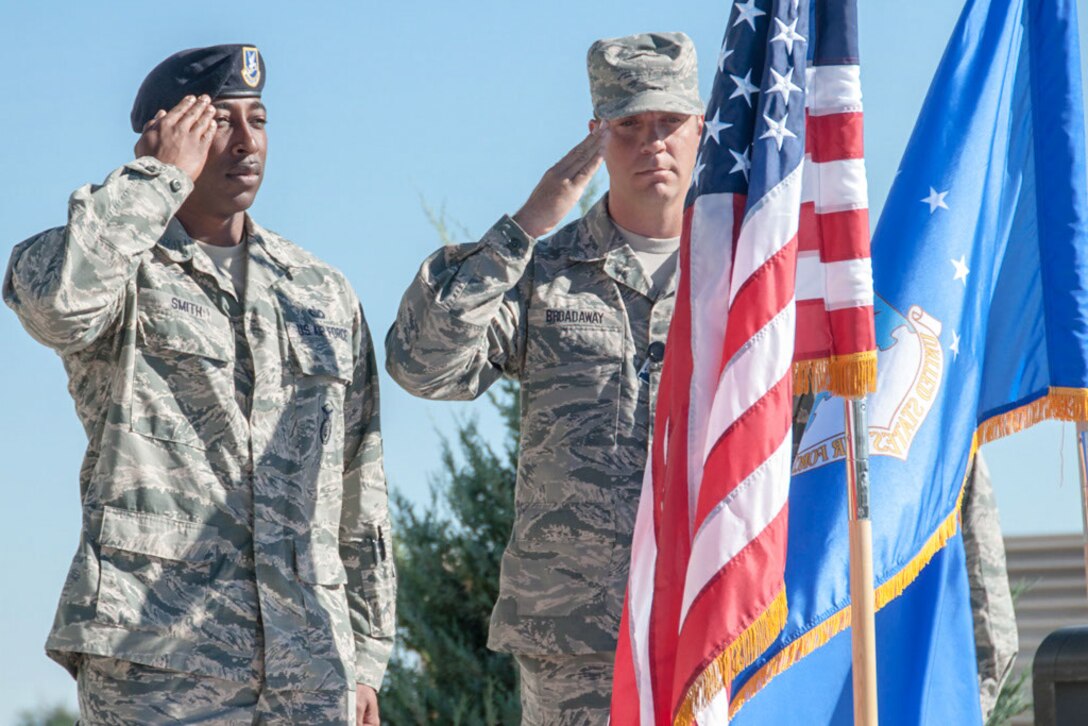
(234, 563)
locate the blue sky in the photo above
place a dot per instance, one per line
(373, 108)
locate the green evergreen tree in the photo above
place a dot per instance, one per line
(56, 715)
(447, 556)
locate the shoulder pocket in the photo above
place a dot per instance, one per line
(318, 355)
(170, 323)
(573, 381)
(183, 377)
(323, 368)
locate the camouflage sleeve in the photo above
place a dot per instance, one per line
(461, 323)
(366, 545)
(67, 285)
(996, 641)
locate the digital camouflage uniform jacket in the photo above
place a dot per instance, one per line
(571, 317)
(235, 519)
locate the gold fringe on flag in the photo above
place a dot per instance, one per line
(894, 586)
(840, 620)
(811, 376)
(791, 654)
(740, 654)
(854, 375)
(848, 376)
(1063, 404)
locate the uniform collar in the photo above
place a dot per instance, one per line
(178, 246)
(286, 255)
(176, 243)
(596, 234)
(599, 239)
(271, 258)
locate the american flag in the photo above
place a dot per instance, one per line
(706, 595)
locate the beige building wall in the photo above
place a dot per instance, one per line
(1052, 567)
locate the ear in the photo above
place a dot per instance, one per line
(593, 124)
(702, 119)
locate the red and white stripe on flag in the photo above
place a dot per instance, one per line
(835, 348)
(763, 267)
(706, 586)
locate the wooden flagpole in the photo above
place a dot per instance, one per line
(1082, 465)
(862, 601)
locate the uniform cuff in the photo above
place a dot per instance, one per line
(509, 239)
(371, 658)
(172, 179)
(150, 191)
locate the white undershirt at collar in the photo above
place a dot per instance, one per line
(231, 261)
(657, 255)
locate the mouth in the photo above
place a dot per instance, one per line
(245, 173)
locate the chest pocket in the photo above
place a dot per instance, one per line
(573, 367)
(321, 361)
(182, 387)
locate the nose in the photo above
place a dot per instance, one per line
(654, 140)
(244, 142)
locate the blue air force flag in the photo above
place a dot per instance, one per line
(980, 263)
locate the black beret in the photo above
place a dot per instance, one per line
(221, 71)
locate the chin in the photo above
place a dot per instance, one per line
(662, 190)
(241, 202)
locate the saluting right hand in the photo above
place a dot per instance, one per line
(562, 185)
(180, 136)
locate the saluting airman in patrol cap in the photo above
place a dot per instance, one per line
(234, 563)
(579, 318)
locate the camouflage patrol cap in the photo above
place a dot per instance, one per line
(220, 71)
(645, 72)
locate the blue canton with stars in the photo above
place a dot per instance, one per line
(755, 121)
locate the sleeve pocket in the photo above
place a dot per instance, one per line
(379, 597)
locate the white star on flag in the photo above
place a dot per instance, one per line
(748, 12)
(935, 200)
(787, 34)
(743, 163)
(961, 270)
(699, 166)
(777, 130)
(715, 126)
(744, 86)
(783, 84)
(723, 56)
(955, 347)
